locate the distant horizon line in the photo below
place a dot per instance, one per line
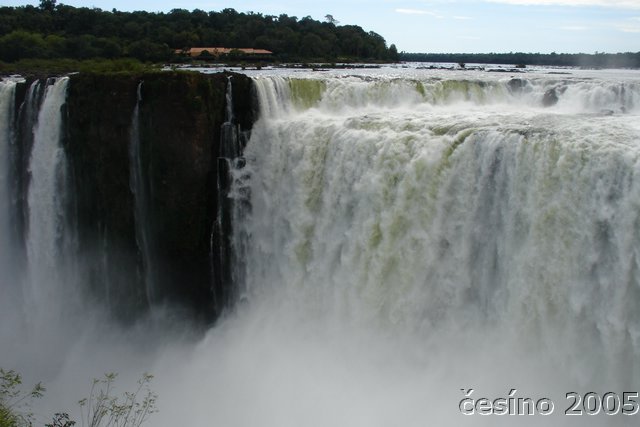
(517, 53)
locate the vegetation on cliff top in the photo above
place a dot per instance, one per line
(54, 31)
(48, 67)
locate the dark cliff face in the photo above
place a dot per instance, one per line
(180, 116)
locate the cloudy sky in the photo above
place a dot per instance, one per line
(447, 25)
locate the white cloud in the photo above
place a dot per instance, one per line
(627, 4)
(631, 25)
(574, 28)
(412, 11)
(418, 12)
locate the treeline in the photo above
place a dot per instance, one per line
(597, 60)
(59, 31)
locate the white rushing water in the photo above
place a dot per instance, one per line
(413, 237)
(50, 292)
(410, 234)
(9, 277)
(7, 99)
(396, 198)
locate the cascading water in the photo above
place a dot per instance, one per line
(51, 290)
(9, 280)
(226, 252)
(395, 239)
(27, 117)
(140, 189)
(7, 99)
(461, 223)
(229, 139)
(220, 256)
(29, 110)
(16, 140)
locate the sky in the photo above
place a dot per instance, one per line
(457, 26)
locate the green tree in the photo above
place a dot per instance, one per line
(146, 50)
(331, 20)
(22, 44)
(48, 5)
(81, 47)
(55, 46)
(393, 53)
(14, 402)
(108, 48)
(313, 46)
(185, 39)
(60, 31)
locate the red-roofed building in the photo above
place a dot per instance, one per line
(219, 51)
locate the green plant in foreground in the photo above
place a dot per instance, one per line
(61, 420)
(14, 402)
(102, 409)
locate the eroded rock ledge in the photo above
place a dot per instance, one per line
(180, 116)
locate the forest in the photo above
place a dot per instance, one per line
(58, 31)
(596, 60)
(60, 34)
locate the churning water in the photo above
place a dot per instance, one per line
(409, 235)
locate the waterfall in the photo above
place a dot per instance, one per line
(7, 100)
(228, 140)
(29, 111)
(24, 135)
(227, 252)
(219, 253)
(49, 239)
(10, 277)
(280, 96)
(17, 127)
(376, 203)
(387, 240)
(140, 188)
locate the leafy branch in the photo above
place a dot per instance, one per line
(100, 409)
(15, 403)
